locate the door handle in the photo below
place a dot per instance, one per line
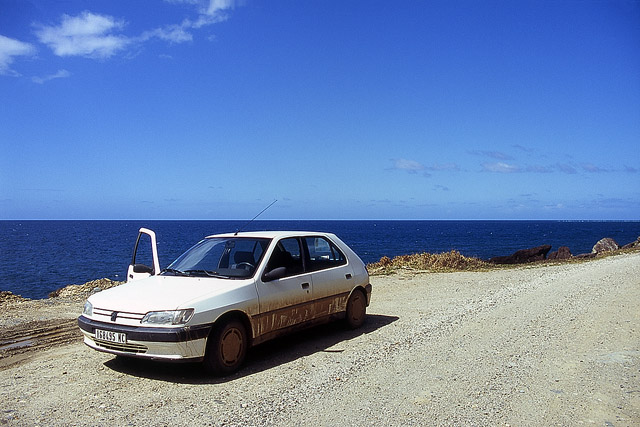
(305, 285)
(348, 276)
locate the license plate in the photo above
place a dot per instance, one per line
(116, 337)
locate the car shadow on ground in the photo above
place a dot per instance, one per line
(260, 358)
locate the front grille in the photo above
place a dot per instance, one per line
(105, 315)
(129, 348)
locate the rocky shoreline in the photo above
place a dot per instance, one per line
(604, 246)
(539, 253)
(70, 292)
(454, 261)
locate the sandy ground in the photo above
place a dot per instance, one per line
(550, 345)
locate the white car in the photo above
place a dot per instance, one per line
(226, 294)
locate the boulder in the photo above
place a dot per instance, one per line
(632, 244)
(605, 245)
(523, 256)
(563, 252)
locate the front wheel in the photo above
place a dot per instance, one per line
(356, 309)
(226, 348)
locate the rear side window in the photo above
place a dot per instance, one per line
(323, 254)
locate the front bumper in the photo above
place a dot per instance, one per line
(183, 343)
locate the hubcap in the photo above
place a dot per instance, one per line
(357, 307)
(231, 346)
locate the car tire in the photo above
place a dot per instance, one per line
(356, 309)
(226, 348)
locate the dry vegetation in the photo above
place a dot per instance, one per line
(84, 290)
(444, 262)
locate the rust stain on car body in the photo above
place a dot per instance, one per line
(283, 318)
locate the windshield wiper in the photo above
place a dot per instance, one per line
(204, 272)
(174, 271)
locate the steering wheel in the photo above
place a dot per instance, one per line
(247, 264)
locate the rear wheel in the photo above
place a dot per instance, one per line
(226, 348)
(356, 309)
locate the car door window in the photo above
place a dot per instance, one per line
(287, 254)
(323, 254)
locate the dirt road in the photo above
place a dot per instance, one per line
(558, 344)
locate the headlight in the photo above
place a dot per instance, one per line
(88, 309)
(175, 317)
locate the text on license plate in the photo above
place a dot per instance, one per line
(117, 337)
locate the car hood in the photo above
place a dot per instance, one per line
(157, 293)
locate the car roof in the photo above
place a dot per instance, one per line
(271, 234)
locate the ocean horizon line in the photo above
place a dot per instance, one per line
(327, 220)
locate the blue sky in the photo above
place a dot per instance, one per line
(190, 109)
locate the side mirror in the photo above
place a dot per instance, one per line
(141, 268)
(275, 274)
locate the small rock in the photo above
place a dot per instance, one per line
(563, 252)
(590, 255)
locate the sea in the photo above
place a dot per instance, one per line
(38, 257)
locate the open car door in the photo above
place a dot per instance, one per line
(137, 271)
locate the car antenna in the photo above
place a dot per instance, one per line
(252, 219)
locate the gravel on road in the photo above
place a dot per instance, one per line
(535, 345)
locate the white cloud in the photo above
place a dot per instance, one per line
(436, 167)
(210, 12)
(192, 2)
(9, 48)
(408, 165)
(412, 166)
(492, 154)
(560, 167)
(88, 34)
(591, 168)
(216, 6)
(171, 33)
(500, 167)
(59, 75)
(93, 35)
(214, 12)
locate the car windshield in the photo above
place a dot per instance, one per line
(229, 258)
